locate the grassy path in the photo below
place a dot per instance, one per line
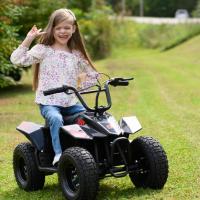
(165, 96)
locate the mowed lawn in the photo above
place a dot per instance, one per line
(164, 95)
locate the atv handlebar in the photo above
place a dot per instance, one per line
(114, 82)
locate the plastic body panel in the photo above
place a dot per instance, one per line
(130, 124)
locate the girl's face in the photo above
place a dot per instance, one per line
(63, 31)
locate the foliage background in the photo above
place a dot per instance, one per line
(100, 33)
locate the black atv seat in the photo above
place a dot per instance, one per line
(67, 119)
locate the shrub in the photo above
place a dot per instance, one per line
(124, 33)
(165, 36)
(97, 31)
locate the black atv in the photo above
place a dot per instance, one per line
(94, 146)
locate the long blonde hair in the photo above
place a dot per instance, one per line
(75, 42)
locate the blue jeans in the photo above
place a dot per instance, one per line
(54, 116)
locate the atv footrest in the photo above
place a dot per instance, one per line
(119, 171)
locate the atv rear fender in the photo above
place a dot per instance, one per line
(33, 132)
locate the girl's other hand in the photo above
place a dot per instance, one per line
(81, 78)
(35, 32)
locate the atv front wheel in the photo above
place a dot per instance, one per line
(78, 175)
(27, 175)
(151, 163)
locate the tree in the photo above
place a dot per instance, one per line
(196, 12)
(83, 5)
(37, 12)
(159, 8)
(167, 8)
(8, 34)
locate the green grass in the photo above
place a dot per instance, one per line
(165, 97)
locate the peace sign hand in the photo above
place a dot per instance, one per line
(35, 32)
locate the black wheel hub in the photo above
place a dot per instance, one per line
(75, 179)
(22, 170)
(72, 178)
(142, 166)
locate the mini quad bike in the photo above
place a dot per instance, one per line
(94, 146)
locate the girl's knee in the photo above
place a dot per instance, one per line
(57, 118)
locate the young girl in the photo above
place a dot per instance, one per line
(60, 59)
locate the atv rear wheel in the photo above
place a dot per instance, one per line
(27, 175)
(151, 161)
(78, 175)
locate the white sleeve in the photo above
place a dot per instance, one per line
(24, 57)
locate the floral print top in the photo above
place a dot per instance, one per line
(57, 68)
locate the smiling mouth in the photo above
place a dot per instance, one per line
(63, 37)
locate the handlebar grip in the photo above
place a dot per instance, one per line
(119, 83)
(54, 91)
(122, 83)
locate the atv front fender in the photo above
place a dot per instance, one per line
(130, 124)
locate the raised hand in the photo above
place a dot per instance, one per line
(35, 32)
(31, 35)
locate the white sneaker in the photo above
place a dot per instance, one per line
(56, 158)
